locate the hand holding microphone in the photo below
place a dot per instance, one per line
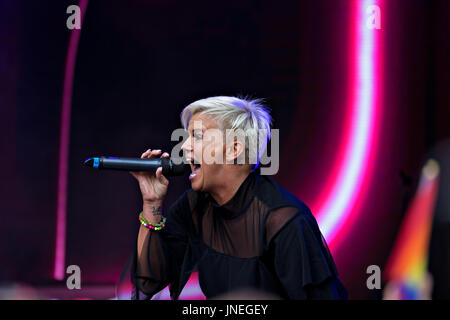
(150, 171)
(153, 185)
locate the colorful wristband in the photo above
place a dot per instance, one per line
(153, 226)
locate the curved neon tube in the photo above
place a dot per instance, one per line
(336, 210)
(64, 139)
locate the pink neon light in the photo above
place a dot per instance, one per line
(338, 209)
(64, 139)
(191, 291)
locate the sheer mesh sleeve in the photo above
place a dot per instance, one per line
(302, 259)
(277, 219)
(161, 256)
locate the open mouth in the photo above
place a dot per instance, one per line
(195, 168)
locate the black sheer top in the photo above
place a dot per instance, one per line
(263, 239)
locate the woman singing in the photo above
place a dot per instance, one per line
(238, 228)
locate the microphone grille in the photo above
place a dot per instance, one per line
(172, 169)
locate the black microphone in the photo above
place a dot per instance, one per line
(137, 164)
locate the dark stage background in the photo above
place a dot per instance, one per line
(140, 62)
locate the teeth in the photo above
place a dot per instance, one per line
(190, 161)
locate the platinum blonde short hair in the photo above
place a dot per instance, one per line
(235, 113)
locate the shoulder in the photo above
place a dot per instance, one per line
(290, 219)
(285, 208)
(274, 195)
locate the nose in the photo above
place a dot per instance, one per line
(187, 145)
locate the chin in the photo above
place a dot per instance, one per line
(196, 185)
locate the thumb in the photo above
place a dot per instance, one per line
(160, 176)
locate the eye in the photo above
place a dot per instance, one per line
(197, 136)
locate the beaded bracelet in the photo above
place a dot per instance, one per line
(158, 226)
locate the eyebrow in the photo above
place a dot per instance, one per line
(196, 130)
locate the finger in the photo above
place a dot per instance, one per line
(165, 155)
(158, 172)
(154, 153)
(144, 155)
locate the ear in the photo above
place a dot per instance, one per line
(233, 150)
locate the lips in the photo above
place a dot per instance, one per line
(195, 168)
(194, 173)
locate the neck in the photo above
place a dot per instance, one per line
(228, 187)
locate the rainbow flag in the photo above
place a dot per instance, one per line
(408, 262)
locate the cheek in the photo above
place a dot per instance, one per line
(208, 153)
(197, 149)
(217, 151)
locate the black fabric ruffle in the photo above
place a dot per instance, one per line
(295, 263)
(300, 244)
